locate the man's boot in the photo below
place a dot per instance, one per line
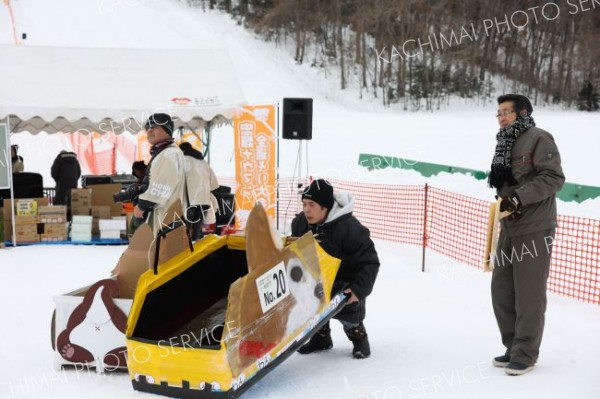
(321, 341)
(360, 340)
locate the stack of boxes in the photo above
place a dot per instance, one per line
(81, 201)
(54, 219)
(81, 228)
(99, 212)
(35, 221)
(108, 222)
(93, 212)
(26, 220)
(81, 220)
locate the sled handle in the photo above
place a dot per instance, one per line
(163, 234)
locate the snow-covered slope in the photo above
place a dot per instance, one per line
(343, 126)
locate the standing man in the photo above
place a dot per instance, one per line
(164, 178)
(526, 174)
(328, 216)
(66, 172)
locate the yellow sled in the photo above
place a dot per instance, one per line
(212, 322)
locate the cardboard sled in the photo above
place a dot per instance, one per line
(212, 322)
(88, 325)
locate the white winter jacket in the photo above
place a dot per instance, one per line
(201, 180)
(166, 185)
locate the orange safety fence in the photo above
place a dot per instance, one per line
(455, 225)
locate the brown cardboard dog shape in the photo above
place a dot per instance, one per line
(281, 292)
(96, 314)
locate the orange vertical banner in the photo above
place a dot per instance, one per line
(255, 137)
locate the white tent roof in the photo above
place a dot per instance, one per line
(66, 89)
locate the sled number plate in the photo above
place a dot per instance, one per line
(272, 287)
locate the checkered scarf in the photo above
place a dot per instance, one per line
(505, 139)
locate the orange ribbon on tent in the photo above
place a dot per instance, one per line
(12, 21)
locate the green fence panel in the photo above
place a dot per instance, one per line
(570, 192)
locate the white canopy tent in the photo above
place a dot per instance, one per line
(67, 89)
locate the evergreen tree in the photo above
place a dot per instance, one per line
(587, 99)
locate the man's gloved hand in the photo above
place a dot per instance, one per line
(510, 203)
(116, 197)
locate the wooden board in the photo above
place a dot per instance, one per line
(493, 233)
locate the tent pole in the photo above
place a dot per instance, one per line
(207, 129)
(10, 183)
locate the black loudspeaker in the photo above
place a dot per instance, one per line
(25, 185)
(297, 118)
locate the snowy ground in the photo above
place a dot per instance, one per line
(433, 334)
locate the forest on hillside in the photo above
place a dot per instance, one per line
(420, 53)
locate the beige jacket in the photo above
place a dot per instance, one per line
(201, 180)
(165, 186)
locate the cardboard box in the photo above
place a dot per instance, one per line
(81, 237)
(110, 234)
(27, 225)
(54, 219)
(26, 207)
(52, 214)
(81, 228)
(102, 195)
(28, 238)
(53, 237)
(112, 224)
(7, 216)
(52, 210)
(82, 219)
(81, 197)
(26, 229)
(101, 211)
(55, 228)
(80, 210)
(20, 220)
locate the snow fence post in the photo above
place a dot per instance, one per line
(424, 228)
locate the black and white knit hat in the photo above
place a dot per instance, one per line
(162, 120)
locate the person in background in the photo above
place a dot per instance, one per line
(17, 160)
(200, 181)
(526, 173)
(131, 194)
(65, 172)
(328, 216)
(164, 178)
